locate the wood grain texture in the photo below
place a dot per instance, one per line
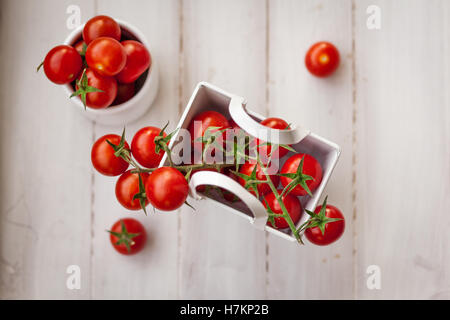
(325, 107)
(45, 167)
(387, 107)
(222, 256)
(403, 159)
(153, 273)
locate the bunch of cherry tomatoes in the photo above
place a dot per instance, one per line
(102, 67)
(166, 188)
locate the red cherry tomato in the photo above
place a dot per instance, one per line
(292, 205)
(128, 236)
(106, 56)
(166, 189)
(103, 158)
(265, 150)
(138, 60)
(311, 167)
(143, 147)
(322, 59)
(99, 100)
(125, 91)
(62, 64)
(263, 188)
(333, 230)
(101, 26)
(127, 186)
(207, 119)
(79, 46)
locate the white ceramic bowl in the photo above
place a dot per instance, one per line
(132, 109)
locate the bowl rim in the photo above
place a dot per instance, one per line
(74, 35)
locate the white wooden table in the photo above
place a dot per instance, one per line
(387, 106)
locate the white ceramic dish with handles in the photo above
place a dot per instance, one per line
(135, 107)
(209, 97)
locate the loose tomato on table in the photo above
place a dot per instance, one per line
(265, 149)
(292, 205)
(143, 147)
(127, 186)
(326, 225)
(128, 236)
(322, 59)
(166, 189)
(251, 172)
(305, 170)
(138, 60)
(98, 99)
(103, 157)
(62, 64)
(101, 26)
(206, 120)
(106, 56)
(125, 91)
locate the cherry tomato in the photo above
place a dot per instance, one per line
(138, 60)
(263, 188)
(101, 26)
(103, 158)
(207, 119)
(79, 46)
(333, 230)
(106, 56)
(99, 100)
(311, 167)
(322, 59)
(166, 189)
(127, 186)
(128, 236)
(229, 196)
(143, 147)
(265, 150)
(125, 91)
(292, 205)
(62, 64)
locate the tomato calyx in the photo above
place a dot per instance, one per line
(251, 181)
(319, 220)
(84, 88)
(298, 178)
(162, 143)
(141, 195)
(39, 66)
(271, 215)
(124, 236)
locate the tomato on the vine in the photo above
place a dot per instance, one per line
(128, 236)
(310, 175)
(125, 91)
(62, 64)
(101, 26)
(106, 56)
(103, 158)
(322, 59)
(292, 205)
(166, 189)
(138, 60)
(264, 149)
(79, 46)
(332, 231)
(248, 169)
(107, 85)
(127, 186)
(143, 147)
(207, 119)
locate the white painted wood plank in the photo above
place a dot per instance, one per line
(325, 107)
(222, 256)
(45, 167)
(151, 274)
(403, 158)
